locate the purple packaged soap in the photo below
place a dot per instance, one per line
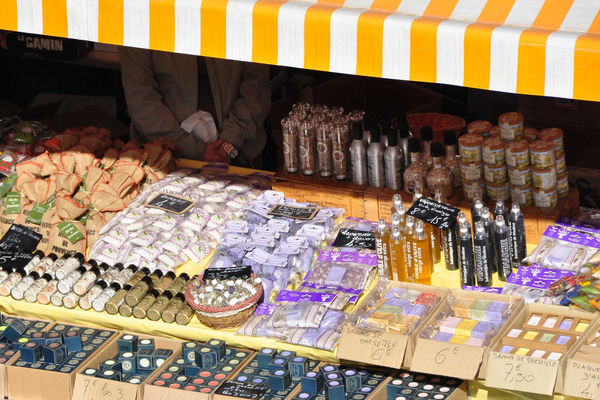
(483, 329)
(495, 310)
(442, 337)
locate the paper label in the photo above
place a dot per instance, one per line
(91, 388)
(355, 239)
(305, 213)
(265, 309)
(13, 203)
(237, 226)
(320, 286)
(70, 231)
(535, 271)
(170, 203)
(437, 214)
(258, 255)
(348, 257)
(303, 297)
(578, 225)
(441, 358)
(381, 348)
(514, 372)
(535, 283)
(483, 289)
(579, 238)
(582, 379)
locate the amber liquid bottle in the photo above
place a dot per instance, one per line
(382, 239)
(407, 240)
(422, 255)
(434, 241)
(397, 254)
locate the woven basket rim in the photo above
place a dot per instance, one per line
(240, 306)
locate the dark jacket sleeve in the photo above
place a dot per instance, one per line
(243, 126)
(150, 117)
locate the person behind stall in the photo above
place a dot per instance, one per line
(211, 109)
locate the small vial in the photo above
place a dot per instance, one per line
(155, 311)
(70, 300)
(407, 236)
(57, 299)
(125, 275)
(86, 281)
(466, 256)
(37, 256)
(36, 287)
(70, 265)
(382, 237)
(185, 314)
(173, 308)
(139, 311)
(398, 204)
(140, 289)
(99, 303)
(476, 209)
(57, 265)
(111, 272)
(85, 302)
(422, 255)
(18, 291)
(11, 280)
(165, 282)
(66, 284)
(481, 249)
(500, 209)
(45, 295)
(179, 283)
(112, 305)
(44, 264)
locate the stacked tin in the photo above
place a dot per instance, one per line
(471, 165)
(555, 135)
(543, 168)
(494, 167)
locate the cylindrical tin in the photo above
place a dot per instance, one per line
(542, 154)
(511, 126)
(469, 147)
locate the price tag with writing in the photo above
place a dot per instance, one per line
(372, 347)
(283, 210)
(170, 203)
(515, 372)
(90, 388)
(13, 203)
(437, 214)
(441, 358)
(582, 379)
(70, 231)
(19, 238)
(242, 390)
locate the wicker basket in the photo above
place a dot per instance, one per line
(224, 317)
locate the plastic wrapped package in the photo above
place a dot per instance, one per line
(532, 282)
(563, 249)
(468, 320)
(346, 270)
(318, 338)
(355, 235)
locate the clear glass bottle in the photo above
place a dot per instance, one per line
(140, 289)
(422, 255)
(35, 260)
(179, 283)
(66, 284)
(100, 301)
(185, 314)
(57, 299)
(11, 280)
(45, 295)
(169, 314)
(324, 149)
(140, 309)
(427, 139)
(439, 178)
(397, 254)
(407, 240)
(18, 291)
(165, 282)
(452, 159)
(86, 281)
(112, 306)
(44, 264)
(85, 302)
(70, 300)
(71, 264)
(36, 287)
(290, 145)
(382, 238)
(416, 172)
(339, 147)
(307, 147)
(398, 204)
(155, 311)
(57, 265)
(125, 275)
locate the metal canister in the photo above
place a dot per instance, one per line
(495, 174)
(561, 165)
(522, 195)
(542, 154)
(471, 172)
(492, 149)
(530, 134)
(498, 191)
(474, 190)
(556, 136)
(544, 178)
(562, 185)
(469, 147)
(511, 126)
(482, 128)
(520, 176)
(545, 199)
(517, 154)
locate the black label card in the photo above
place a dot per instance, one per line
(283, 210)
(15, 260)
(437, 214)
(227, 273)
(244, 390)
(355, 238)
(19, 238)
(171, 203)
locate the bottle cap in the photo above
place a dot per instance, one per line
(449, 138)
(414, 145)
(95, 270)
(53, 256)
(426, 133)
(376, 134)
(132, 267)
(103, 266)
(184, 276)
(47, 277)
(119, 266)
(20, 271)
(81, 269)
(145, 270)
(39, 254)
(500, 220)
(127, 287)
(116, 286)
(479, 228)
(392, 137)
(180, 296)
(170, 274)
(154, 292)
(367, 122)
(35, 275)
(168, 295)
(403, 127)
(147, 280)
(515, 209)
(93, 263)
(500, 204)
(102, 284)
(357, 131)
(66, 256)
(80, 257)
(436, 150)
(158, 273)
(485, 214)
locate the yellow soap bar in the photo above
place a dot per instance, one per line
(522, 351)
(458, 339)
(530, 335)
(465, 327)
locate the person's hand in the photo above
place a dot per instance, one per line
(215, 153)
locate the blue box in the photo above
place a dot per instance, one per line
(265, 356)
(312, 382)
(192, 370)
(127, 343)
(55, 353)
(19, 343)
(32, 352)
(159, 356)
(206, 357)
(328, 368)
(127, 361)
(188, 349)
(278, 363)
(54, 337)
(352, 380)
(13, 332)
(110, 374)
(38, 337)
(335, 390)
(72, 341)
(286, 354)
(108, 364)
(394, 387)
(298, 366)
(146, 344)
(219, 346)
(144, 360)
(279, 380)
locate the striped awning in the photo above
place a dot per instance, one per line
(540, 47)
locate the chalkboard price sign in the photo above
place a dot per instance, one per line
(283, 210)
(227, 273)
(19, 238)
(243, 390)
(171, 203)
(437, 214)
(14, 260)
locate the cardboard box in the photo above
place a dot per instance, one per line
(152, 392)
(582, 371)
(34, 384)
(386, 349)
(457, 360)
(524, 373)
(89, 387)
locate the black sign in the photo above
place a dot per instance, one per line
(437, 214)
(283, 210)
(14, 260)
(244, 390)
(19, 239)
(227, 273)
(355, 238)
(171, 203)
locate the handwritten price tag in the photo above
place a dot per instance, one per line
(458, 361)
(370, 347)
(582, 379)
(514, 372)
(90, 388)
